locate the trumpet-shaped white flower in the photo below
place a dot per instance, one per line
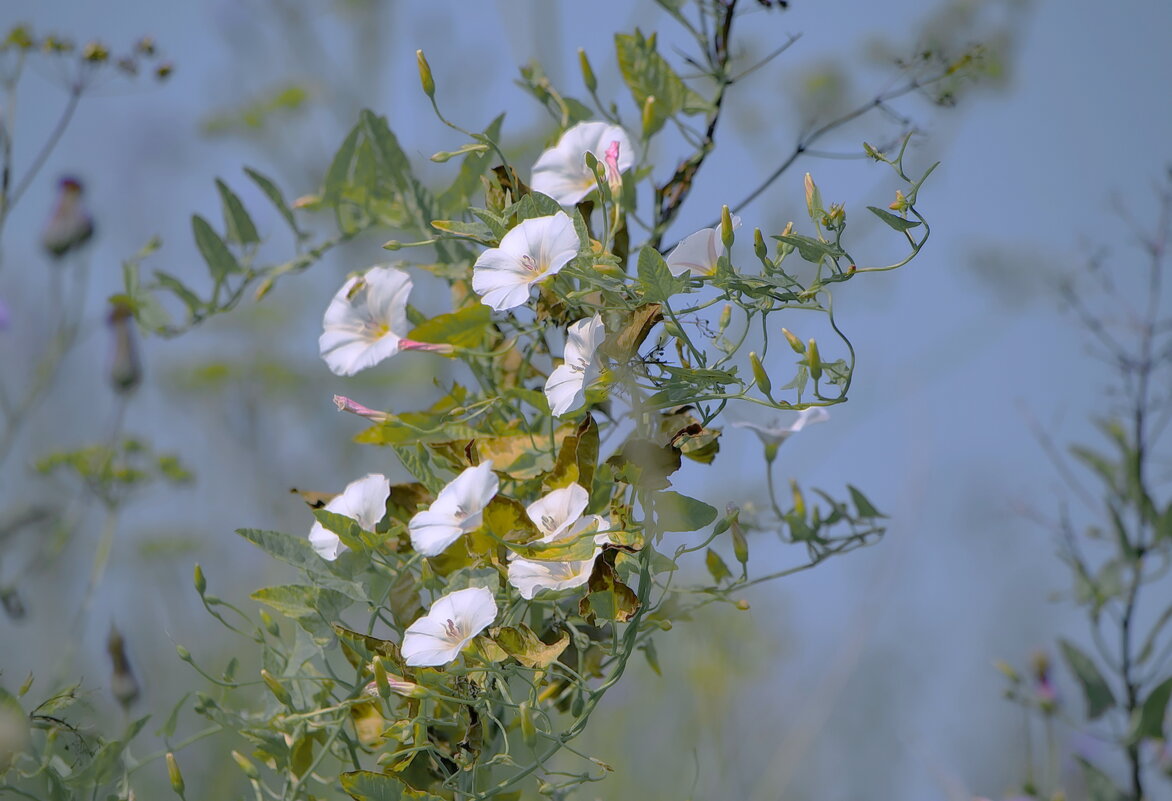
(531, 576)
(777, 434)
(529, 252)
(364, 501)
(698, 253)
(561, 171)
(558, 515)
(453, 620)
(556, 512)
(458, 509)
(566, 387)
(366, 322)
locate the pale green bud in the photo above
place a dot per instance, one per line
(813, 359)
(795, 344)
(763, 382)
(648, 116)
(587, 72)
(726, 228)
(425, 78)
(174, 775)
(813, 197)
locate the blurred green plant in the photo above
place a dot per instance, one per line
(1120, 560)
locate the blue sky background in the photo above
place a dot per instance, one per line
(870, 675)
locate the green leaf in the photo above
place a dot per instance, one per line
(180, 290)
(1098, 693)
(338, 175)
(275, 197)
(366, 785)
(292, 550)
(647, 74)
(1148, 721)
(220, 260)
(810, 249)
(863, 507)
(716, 566)
(523, 644)
(478, 232)
(655, 280)
(239, 225)
(649, 651)
(893, 220)
(676, 512)
(463, 328)
(607, 597)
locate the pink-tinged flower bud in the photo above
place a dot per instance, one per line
(813, 197)
(125, 366)
(430, 347)
(123, 685)
(614, 176)
(70, 227)
(345, 404)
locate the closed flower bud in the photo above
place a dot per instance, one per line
(725, 316)
(813, 359)
(174, 775)
(795, 344)
(587, 71)
(763, 382)
(425, 78)
(125, 367)
(279, 691)
(183, 653)
(900, 203)
(246, 765)
(740, 543)
(813, 197)
(799, 499)
(201, 583)
(759, 248)
(726, 228)
(123, 685)
(70, 226)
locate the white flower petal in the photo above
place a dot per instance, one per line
(457, 509)
(531, 576)
(364, 501)
(698, 253)
(365, 320)
(530, 252)
(556, 512)
(777, 434)
(565, 389)
(561, 171)
(453, 620)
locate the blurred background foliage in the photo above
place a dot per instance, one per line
(871, 678)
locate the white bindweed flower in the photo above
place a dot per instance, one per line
(457, 509)
(566, 387)
(531, 576)
(698, 253)
(561, 171)
(453, 620)
(364, 501)
(773, 436)
(558, 515)
(366, 322)
(556, 512)
(532, 250)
